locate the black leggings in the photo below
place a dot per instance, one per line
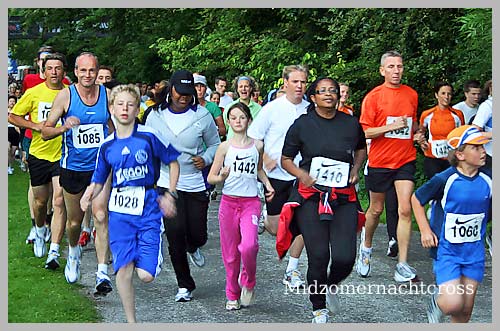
(186, 232)
(333, 240)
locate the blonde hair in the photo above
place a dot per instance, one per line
(129, 88)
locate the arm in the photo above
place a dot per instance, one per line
(92, 191)
(173, 174)
(167, 201)
(399, 123)
(261, 174)
(220, 125)
(218, 173)
(427, 237)
(21, 122)
(359, 158)
(292, 169)
(212, 141)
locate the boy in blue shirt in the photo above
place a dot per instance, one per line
(133, 154)
(464, 193)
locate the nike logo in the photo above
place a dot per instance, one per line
(84, 130)
(463, 222)
(327, 164)
(242, 158)
(48, 107)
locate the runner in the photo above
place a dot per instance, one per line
(238, 164)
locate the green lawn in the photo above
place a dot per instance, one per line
(37, 295)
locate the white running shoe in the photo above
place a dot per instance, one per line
(247, 297)
(31, 237)
(434, 313)
(233, 305)
(293, 279)
(39, 247)
(72, 269)
(102, 283)
(48, 234)
(52, 262)
(10, 170)
(183, 295)
(320, 316)
(404, 273)
(197, 258)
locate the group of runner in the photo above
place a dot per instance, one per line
(305, 148)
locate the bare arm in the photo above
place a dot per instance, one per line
(21, 122)
(220, 125)
(217, 173)
(301, 174)
(261, 174)
(173, 174)
(399, 123)
(359, 158)
(427, 237)
(92, 191)
(59, 108)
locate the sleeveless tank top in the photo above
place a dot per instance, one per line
(242, 179)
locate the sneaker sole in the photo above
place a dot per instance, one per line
(196, 264)
(183, 300)
(52, 265)
(402, 280)
(362, 275)
(103, 289)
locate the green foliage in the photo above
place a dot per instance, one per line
(37, 295)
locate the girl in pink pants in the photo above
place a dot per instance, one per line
(238, 164)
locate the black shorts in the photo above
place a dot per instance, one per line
(42, 171)
(380, 180)
(75, 182)
(13, 136)
(282, 190)
(433, 166)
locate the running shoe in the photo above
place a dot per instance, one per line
(247, 297)
(183, 295)
(22, 166)
(392, 248)
(263, 215)
(10, 170)
(72, 269)
(102, 283)
(233, 305)
(320, 316)
(364, 258)
(31, 237)
(39, 247)
(404, 273)
(197, 258)
(52, 262)
(434, 313)
(84, 238)
(48, 234)
(293, 279)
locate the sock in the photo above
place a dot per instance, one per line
(363, 247)
(86, 229)
(74, 251)
(54, 247)
(48, 220)
(102, 268)
(40, 231)
(293, 264)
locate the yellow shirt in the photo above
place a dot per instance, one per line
(37, 102)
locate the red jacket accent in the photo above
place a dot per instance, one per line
(286, 227)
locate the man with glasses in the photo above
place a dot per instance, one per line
(271, 127)
(389, 119)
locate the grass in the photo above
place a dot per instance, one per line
(37, 295)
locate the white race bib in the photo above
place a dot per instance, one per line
(440, 148)
(403, 133)
(127, 200)
(463, 228)
(44, 111)
(244, 166)
(88, 135)
(329, 172)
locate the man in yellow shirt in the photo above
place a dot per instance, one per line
(44, 156)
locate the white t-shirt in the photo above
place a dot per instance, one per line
(271, 126)
(468, 111)
(484, 119)
(225, 100)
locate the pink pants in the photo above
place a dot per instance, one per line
(239, 241)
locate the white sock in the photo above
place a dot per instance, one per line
(74, 251)
(54, 247)
(86, 229)
(363, 247)
(102, 268)
(293, 264)
(40, 231)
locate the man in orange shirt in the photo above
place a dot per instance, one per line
(389, 119)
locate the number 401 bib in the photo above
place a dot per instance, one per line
(127, 200)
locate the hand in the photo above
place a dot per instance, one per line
(224, 173)
(428, 239)
(198, 162)
(38, 126)
(400, 122)
(269, 164)
(270, 193)
(305, 179)
(353, 178)
(86, 199)
(71, 122)
(167, 205)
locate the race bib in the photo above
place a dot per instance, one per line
(463, 228)
(403, 133)
(88, 135)
(244, 166)
(44, 111)
(127, 200)
(440, 148)
(329, 172)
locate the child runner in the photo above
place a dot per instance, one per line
(465, 195)
(133, 154)
(238, 164)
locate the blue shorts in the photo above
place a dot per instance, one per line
(132, 239)
(447, 268)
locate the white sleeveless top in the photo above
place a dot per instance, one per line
(242, 179)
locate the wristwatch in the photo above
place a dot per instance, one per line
(174, 194)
